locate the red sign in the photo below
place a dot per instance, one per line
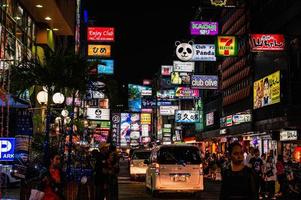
(146, 82)
(100, 34)
(267, 42)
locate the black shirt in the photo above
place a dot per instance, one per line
(240, 185)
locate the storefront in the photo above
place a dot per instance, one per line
(290, 145)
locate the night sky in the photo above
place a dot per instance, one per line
(145, 33)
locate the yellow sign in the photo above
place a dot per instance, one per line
(267, 90)
(146, 118)
(226, 46)
(99, 50)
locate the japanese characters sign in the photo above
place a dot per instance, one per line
(187, 116)
(146, 118)
(203, 28)
(267, 42)
(100, 34)
(99, 50)
(288, 135)
(226, 46)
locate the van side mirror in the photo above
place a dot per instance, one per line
(146, 162)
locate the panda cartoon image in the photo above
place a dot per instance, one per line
(184, 51)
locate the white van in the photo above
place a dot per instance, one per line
(174, 168)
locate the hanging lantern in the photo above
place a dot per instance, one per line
(42, 97)
(58, 98)
(297, 154)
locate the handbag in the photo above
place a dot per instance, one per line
(36, 194)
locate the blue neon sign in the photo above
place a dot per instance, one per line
(7, 149)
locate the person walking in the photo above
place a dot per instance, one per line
(113, 170)
(52, 181)
(256, 164)
(100, 173)
(280, 174)
(270, 177)
(238, 181)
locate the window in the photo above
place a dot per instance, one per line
(179, 155)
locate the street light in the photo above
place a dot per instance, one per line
(58, 98)
(42, 98)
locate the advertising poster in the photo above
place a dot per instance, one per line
(99, 50)
(135, 95)
(101, 34)
(125, 128)
(105, 67)
(180, 78)
(226, 46)
(199, 126)
(204, 82)
(204, 52)
(187, 93)
(267, 42)
(266, 91)
(203, 28)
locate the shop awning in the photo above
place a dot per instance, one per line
(13, 102)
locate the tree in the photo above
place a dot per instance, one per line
(61, 71)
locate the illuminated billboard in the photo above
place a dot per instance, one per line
(267, 42)
(203, 28)
(204, 52)
(179, 78)
(226, 46)
(100, 34)
(186, 92)
(266, 91)
(204, 81)
(166, 70)
(105, 67)
(187, 116)
(135, 94)
(99, 50)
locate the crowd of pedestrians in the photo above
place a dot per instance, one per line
(249, 176)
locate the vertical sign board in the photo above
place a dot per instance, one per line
(99, 50)
(226, 46)
(7, 149)
(116, 128)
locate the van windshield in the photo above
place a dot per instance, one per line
(179, 155)
(141, 155)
